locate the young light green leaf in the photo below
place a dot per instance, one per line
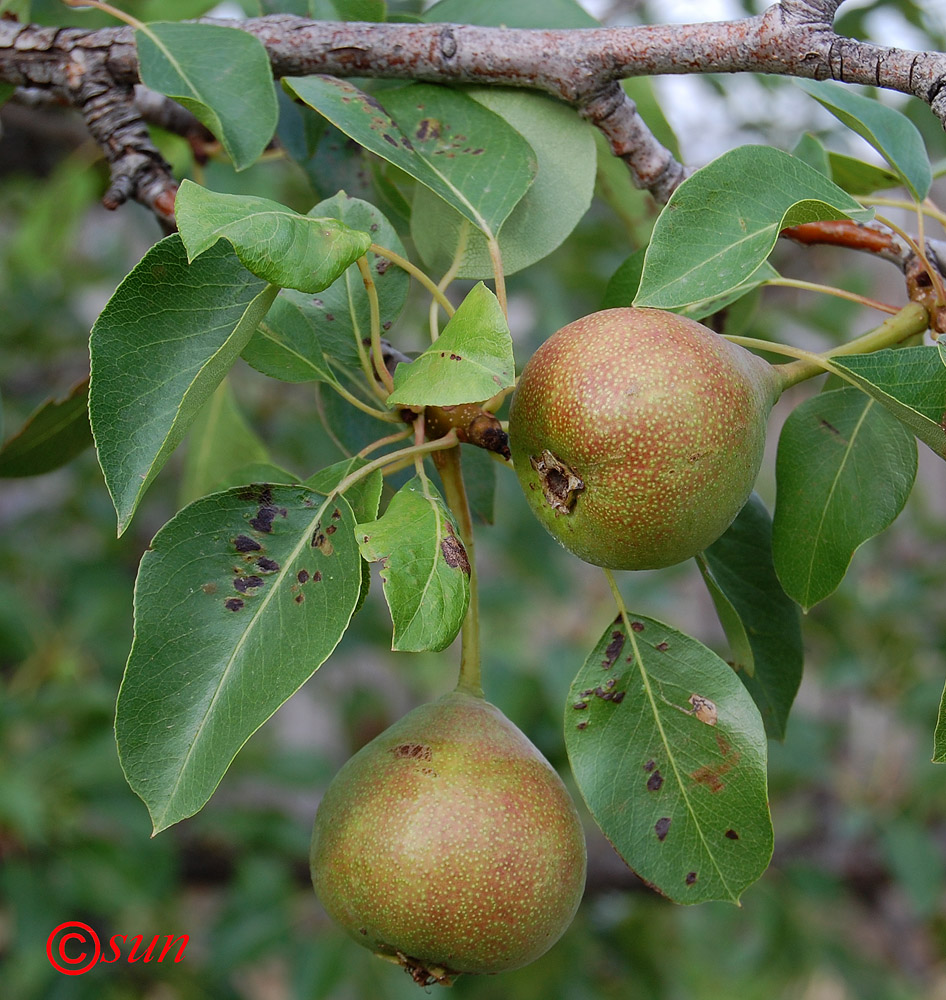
(272, 241)
(53, 434)
(219, 442)
(221, 74)
(160, 347)
(722, 223)
(844, 469)
(669, 753)
(240, 598)
(471, 360)
(286, 344)
(465, 154)
(424, 567)
(810, 149)
(548, 212)
(762, 623)
(911, 383)
(706, 307)
(891, 133)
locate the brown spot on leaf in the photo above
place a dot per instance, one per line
(245, 583)
(317, 576)
(299, 598)
(705, 711)
(691, 878)
(655, 781)
(582, 725)
(617, 697)
(243, 543)
(662, 647)
(454, 554)
(302, 576)
(267, 565)
(711, 775)
(650, 765)
(233, 604)
(427, 128)
(661, 827)
(209, 588)
(732, 835)
(637, 626)
(613, 650)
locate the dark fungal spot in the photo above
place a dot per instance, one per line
(613, 650)
(617, 697)
(389, 138)
(662, 647)
(732, 835)
(637, 626)
(330, 317)
(233, 604)
(245, 583)
(454, 554)
(655, 781)
(336, 514)
(362, 930)
(415, 751)
(661, 827)
(299, 598)
(650, 765)
(579, 705)
(691, 878)
(267, 565)
(243, 543)
(264, 519)
(303, 576)
(331, 529)
(317, 576)
(582, 725)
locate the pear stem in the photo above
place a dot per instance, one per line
(448, 464)
(911, 320)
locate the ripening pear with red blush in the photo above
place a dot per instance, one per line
(637, 435)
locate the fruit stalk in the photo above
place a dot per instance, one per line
(448, 465)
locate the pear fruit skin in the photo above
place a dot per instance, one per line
(637, 435)
(449, 844)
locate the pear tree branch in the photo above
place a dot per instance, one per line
(96, 71)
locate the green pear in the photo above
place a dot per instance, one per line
(449, 844)
(637, 435)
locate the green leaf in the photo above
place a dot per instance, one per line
(939, 734)
(762, 623)
(160, 347)
(257, 472)
(450, 143)
(470, 361)
(286, 344)
(810, 149)
(722, 223)
(220, 74)
(706, 307)
(240, 598)
(363, 497)
(858, 177)
(219, 442)
(911, 383)
(548, 212)
(272, 241)
(424, 567)
(844, 470)
(342, 314)
(891, 133)
(53, 434)
(522, 14)
(669, 753)
(347, 10)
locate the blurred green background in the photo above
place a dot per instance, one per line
(854, 904)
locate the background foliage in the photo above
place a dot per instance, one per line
(853, 903)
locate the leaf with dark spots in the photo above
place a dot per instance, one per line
(299, 598)
(243, 543)
(264, 519)
(732, 835)
(303, 576)
(661, 827)
(267, 565)
(317, 576)
(202, 676)
(655, 758)
(691, 878)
